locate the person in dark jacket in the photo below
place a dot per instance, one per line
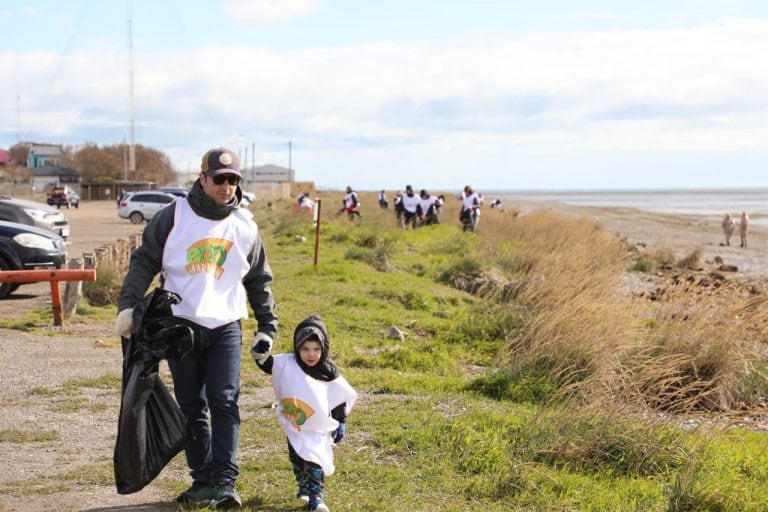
(209, 251)
(313, 402)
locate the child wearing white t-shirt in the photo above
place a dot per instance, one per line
(313, 401)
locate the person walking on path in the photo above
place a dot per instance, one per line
(426, 210)
(383, 203)
(728, 226)
(743, 226)
(470, 209)
(313, 403)
(410, 205)
(350, 204)
(209, 251)
(399, 209)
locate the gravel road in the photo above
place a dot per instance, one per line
(72, 470)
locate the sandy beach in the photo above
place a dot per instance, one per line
(679, 233)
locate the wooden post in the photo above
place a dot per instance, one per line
(73, 290)
(58, 317)
(316, 222)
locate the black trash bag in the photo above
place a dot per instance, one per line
(151, 428)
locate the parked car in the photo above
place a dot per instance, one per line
(24, 247)
(248, 198)
(35, 214)
(179, 192)
(141, 206)
(63, 196)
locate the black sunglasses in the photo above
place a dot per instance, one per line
(229, 178)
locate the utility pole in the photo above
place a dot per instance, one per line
(132, 123)
(18, 108)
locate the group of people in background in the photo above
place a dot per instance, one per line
(729, 226)
(417, 210)
(422, 209)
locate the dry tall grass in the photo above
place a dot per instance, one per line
(693, 351)
(577, 322)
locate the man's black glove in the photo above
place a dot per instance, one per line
(261, 347)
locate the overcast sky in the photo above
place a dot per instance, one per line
(544, 94)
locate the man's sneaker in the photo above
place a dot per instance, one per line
(225, 497)
(201, 493)
(303, 496)
(316, 504)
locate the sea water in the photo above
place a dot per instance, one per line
(686, 202)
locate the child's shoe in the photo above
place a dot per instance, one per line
(303, 493)
(316, 504)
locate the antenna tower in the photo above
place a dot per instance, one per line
(132, 122)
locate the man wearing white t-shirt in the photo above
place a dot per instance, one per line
(209, 251)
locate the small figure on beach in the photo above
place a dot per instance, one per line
(728, 226)
(743, 224)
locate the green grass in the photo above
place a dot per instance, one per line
(28, 436)
(466, 412)
(443, 422)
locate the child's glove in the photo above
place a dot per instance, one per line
(261, 348)
(338, 434)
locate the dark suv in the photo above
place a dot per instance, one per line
(63, 196)
(25, 247)
(33, 213)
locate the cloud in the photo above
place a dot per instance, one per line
(265, 11)
(541, 95)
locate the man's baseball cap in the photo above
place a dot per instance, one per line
(220, 161)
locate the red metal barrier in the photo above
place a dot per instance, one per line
(54, 276)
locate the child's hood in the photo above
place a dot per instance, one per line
(312, 327)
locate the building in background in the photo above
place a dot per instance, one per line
(47, 176)
(268, 181)
(45, 154)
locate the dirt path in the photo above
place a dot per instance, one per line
(70, 471)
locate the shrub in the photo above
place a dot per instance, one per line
(604, 440)
(643, 265)
(503, 385)
(105, 290)
(692, 261)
